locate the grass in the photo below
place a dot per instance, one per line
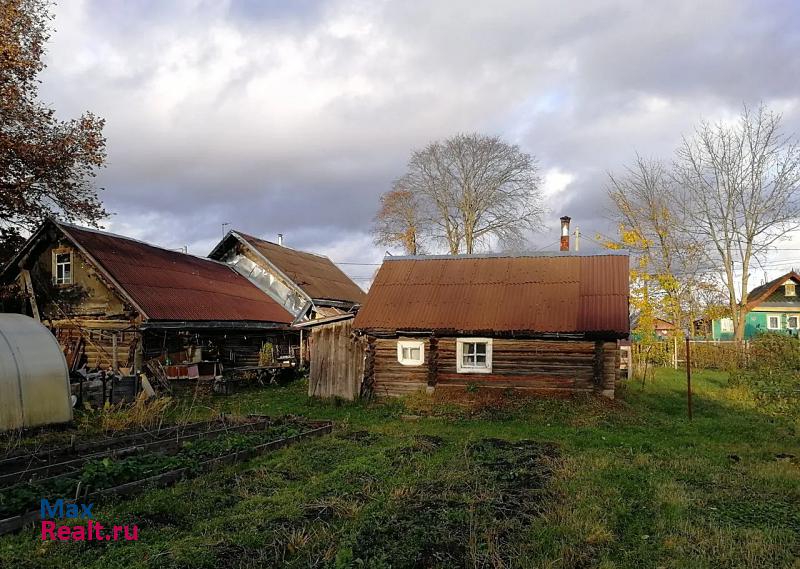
(478, 481)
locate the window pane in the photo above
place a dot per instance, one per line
(480, 349)
(413, 353)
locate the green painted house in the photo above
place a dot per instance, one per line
(771, 307)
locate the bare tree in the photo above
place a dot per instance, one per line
(399, 220)
(646, 207)
(740, 186)
(473, 187)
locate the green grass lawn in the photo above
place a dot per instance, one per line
(484, 483)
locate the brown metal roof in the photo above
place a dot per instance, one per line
(167, 285)
(319, 278)
(544, 294)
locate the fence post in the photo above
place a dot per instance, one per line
(688, 377)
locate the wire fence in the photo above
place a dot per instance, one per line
(705, 354)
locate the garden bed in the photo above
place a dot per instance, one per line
(157, 463)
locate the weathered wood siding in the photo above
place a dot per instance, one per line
(393, 378)
(337, 361)
(539, 365)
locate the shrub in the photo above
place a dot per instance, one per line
(773, 372)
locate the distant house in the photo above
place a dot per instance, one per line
(116, 302)
(663, 329)
(546, 322)
(306, 284)
(771, 307)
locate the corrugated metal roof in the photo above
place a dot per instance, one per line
(543, 294)
(168, 285)
(317, 275)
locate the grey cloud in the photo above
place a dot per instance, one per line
(294, 117)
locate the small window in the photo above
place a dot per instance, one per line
(774, 322)
(62, 273)
(411, 352)
(474, 355)
(726, 326)
(789, 289)
(793, 322)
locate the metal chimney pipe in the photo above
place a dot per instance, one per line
(565, 233)
(280, 239)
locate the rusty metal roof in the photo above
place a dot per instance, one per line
(315, 274)
(522, 294)
(167, 285)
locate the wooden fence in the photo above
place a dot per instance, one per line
(337, 361)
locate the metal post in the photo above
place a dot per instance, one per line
(688, 378)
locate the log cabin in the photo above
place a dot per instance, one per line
(545, 322)
(115, 302)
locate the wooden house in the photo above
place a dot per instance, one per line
(548, 323)
(772, 307)
(115, 302)
(306, 284)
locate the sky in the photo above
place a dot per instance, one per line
(293, 117)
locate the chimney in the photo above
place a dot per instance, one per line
(280, 239)
(565, 233)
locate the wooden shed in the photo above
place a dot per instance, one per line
(548, 322)
(337, 357)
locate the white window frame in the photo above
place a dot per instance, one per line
(790, 286)
(461, 368)
(769, 321)
(63, 281)
(726, 325)
(789, 322)
(410, 344)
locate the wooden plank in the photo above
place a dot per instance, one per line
(28, 286)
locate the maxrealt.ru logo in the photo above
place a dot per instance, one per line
(88, 531)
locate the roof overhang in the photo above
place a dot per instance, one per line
(211, 325)
(510, 334)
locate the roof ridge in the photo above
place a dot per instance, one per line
(134, 240)
(246, 235)
(529, 254)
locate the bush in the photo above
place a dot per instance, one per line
(773, 372)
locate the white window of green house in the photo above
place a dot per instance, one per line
(774, 322)
(410, 352)
(793, 322)
(726, 326)
(62, 268)
(789, 289)
(474, 355)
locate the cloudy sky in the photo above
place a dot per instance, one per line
(294, 116)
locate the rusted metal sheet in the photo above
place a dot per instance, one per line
(526, 294)
(315, 274)
(168, 285)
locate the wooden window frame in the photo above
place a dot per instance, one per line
(56, 253)
(769, 319)
(410, 344)
(723, 329)
(790, 286)
(461, 368)
(796, 322)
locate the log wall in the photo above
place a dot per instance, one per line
(393, 378)
(337, 361)
(537, 365)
